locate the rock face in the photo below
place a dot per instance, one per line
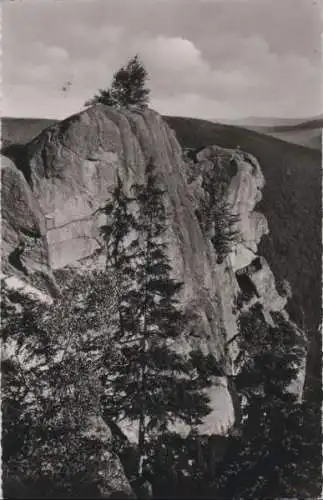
(24, 239)
(72, 167)
(112, 477)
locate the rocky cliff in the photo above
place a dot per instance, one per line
(50, 203)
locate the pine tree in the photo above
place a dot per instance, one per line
(121, 248)
(216, 217)
(225, 233)
(153, 386)
(51, 386)
(276, 454)
(127, 88)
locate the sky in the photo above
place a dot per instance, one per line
(212, 59)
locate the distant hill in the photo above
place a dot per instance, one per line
(21, 130)
(268, 121)
(291, 203)
(315, 123)
(304, 133)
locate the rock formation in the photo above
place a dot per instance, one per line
(24, 241)
(51, 220)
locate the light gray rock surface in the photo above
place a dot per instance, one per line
(111, 474)
(24, 237)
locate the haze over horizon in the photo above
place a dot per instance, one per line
(212, 59)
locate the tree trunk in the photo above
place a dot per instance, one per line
(144, 346)
(141, 443)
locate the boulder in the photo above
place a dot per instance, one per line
(111, 473)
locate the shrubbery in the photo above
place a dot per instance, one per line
(50, 386)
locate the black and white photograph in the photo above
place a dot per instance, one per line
(161, 249)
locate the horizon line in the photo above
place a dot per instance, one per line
(247, 117)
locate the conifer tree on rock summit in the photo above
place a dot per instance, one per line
(128, 88)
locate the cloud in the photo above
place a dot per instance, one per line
(56, 53)
(176, 65)
(35, 63)
(251, 78)
(171, 54)
(212, 58)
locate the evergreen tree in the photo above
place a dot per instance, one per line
(51, 366)
(153, 386)
(121, 250)
(128, 87)
(215, 215)
(276, 454)
(225, 233)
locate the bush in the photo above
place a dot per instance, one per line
(50, 387)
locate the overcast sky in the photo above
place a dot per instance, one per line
(206, 58)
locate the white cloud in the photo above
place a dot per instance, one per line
(56, 53)
(251, 80)
(177, 66)
(173, 54)
(222, 72)
(37, 63)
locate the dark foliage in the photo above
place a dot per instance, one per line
(225, 233)
(49, 388)
(127, 88)
(276, 454)
(153, 385)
